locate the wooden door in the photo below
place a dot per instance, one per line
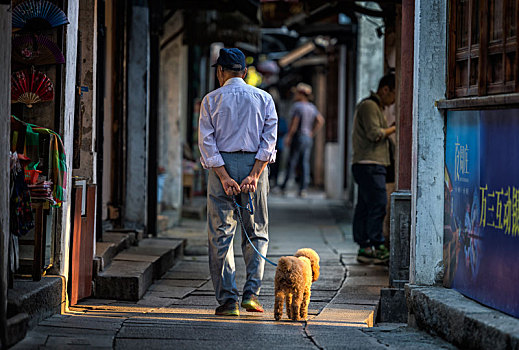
(82, 242)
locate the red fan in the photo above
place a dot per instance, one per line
(29, 86)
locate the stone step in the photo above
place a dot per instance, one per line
(114, 241)
(37, 299)
(133, 270)
(137, 234)
(17, 327)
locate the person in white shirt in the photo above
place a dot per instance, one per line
(237, 139)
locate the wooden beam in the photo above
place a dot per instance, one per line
(480, 102)
(483, 47)
(469, 60)
(405, 121)
(451, 51)
(516, 65)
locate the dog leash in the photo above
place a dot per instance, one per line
(250, 208)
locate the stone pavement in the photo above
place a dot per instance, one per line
(178, 310)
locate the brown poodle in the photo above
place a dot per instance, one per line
(294, 277)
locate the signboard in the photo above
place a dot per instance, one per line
(481, 232)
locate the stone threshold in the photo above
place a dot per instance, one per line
(29, 302)
(460, 320)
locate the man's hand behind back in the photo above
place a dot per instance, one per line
(249, 184)
(229, 185)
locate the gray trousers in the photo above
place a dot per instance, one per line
(222, 221)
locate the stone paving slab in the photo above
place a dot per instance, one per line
(356, 270)
(86, 341)
(183, 283)
(187, 275)
(33, 340)
(351, 315)
(65, 331)
(155, 301)
(382, 281)
(169, 292)
(342, 337)
(160, 344)
(400, 336)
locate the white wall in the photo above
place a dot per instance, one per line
(67, 131)
(370, 53)
(430, 62)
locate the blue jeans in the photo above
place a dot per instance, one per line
(222, 221)
(371, 204)
(301, 150)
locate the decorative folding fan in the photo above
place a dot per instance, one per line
(29, 87)
(38, 15)
(36, 49)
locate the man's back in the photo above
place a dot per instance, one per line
(237, 117)
(238, 111)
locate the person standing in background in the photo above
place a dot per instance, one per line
(305, 123)
(371, 156)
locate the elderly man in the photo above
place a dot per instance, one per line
(237, 139)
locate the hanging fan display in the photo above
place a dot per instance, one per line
(38, 15)
(29, 86)
(36, 49)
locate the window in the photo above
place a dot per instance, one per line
(483, 43)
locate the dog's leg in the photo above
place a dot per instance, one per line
(296, 305)
(278, 306)
(288, 302)
(305, 303)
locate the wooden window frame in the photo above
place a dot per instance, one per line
(481, 52)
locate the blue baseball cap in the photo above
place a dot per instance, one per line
(232, 59)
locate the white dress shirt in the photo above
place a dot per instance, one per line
(237, 117)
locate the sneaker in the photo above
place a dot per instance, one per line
(366, 256)
(251, 304)
(382, 254)
(230, 308)
(303, 193)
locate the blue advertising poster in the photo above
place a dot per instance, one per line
(481, 245)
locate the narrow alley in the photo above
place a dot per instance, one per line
(381, 134)
(177, 312)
